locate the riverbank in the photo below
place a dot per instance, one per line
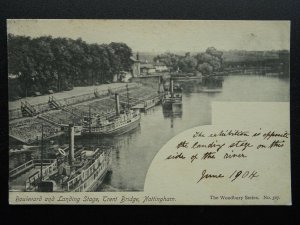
(76, 91)
(28, 129)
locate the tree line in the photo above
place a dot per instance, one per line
(205, 62)
(45, 63)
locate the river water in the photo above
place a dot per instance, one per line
(134, 151)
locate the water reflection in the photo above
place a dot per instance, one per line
(169, 114)
(206, 84)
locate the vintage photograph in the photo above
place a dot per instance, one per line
(91, 102)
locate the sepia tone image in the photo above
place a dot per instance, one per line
(91, 102)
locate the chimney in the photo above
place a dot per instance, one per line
(71, 143)
(171, 83)
(137, 56)
(117, 104)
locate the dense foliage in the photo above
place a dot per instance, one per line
(205, 63)
(46, 63)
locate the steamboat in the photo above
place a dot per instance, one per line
(122, 122)
(172, 100)
(72, 170)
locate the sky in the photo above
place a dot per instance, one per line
(164, 35)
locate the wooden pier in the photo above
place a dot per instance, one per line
(28, 166)
(61, 111)
(147, 104)
(24, 176)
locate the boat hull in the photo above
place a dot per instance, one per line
(97, 176)
(118, 131)
(216, 90)
(172, 104)
(174, 107)
(97, 181)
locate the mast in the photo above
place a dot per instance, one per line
(127, 96)
(71, 144)
(117, 104)
(90, 126)
(172, 88)
(42, 146)
(90, 120)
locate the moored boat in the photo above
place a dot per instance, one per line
(78, 171)
(173, 100)
(124, 121)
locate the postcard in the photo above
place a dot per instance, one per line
(149, 112)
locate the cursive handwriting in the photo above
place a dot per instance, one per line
(245, 144)
(237, 174)
(271, 134)
(176, 156)
(213, 144)
(243, 174)
(208, 176)
(232, 133)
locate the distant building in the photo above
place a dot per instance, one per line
(135, 69)
(160, 67)
(143, 67)
(147, 68)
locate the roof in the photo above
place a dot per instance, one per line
(123, 71)
(147, 66)
(134, 59)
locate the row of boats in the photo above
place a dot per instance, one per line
(126, 119)
(84, 169)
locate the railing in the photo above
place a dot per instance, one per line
(15, 114)
(76, 99)
(74, 182)
(46, 172)
(28, 165)
(144, 100)
(44, 107)
(28, 109)
(51, 120)
(88, 171)
(75, 112)
(52, 102)
(36, 162)
(20, 168)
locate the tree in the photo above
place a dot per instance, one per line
(205, 68)
(169, 59)
(187, 63)
(60, 63)
(210, 60)
(123, 52)
(214, 52)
